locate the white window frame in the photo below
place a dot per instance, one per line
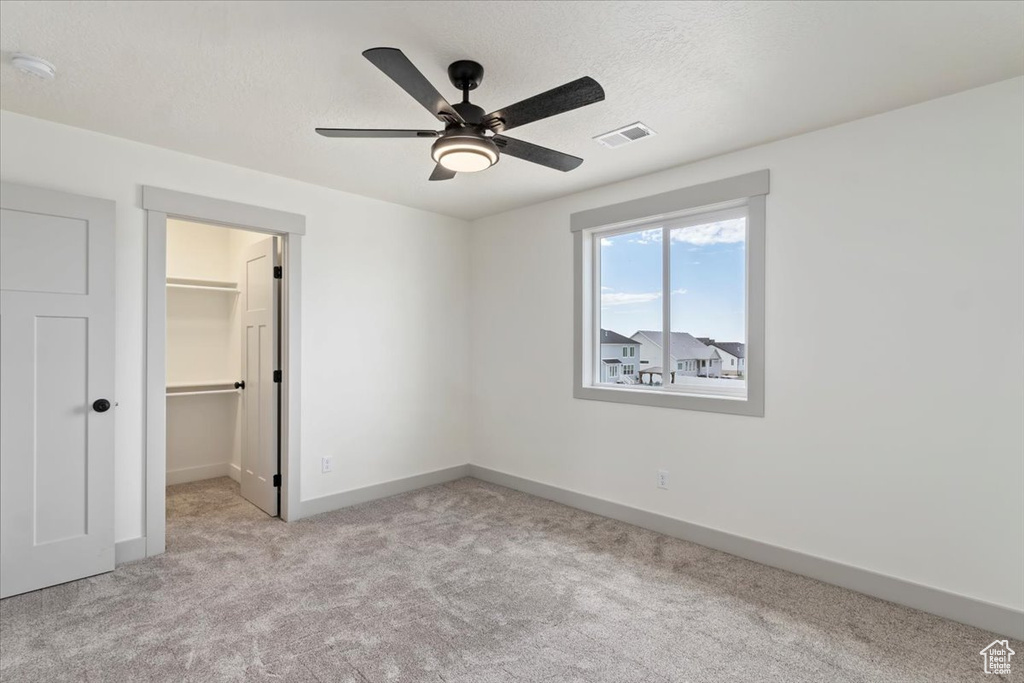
(746, 192)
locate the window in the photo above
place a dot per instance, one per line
(627, 369)
(625, 352)
(676, 272)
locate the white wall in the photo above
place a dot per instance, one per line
(380, 282)
(199, 252)
(201, 437)
(203, 328)
(900, 231)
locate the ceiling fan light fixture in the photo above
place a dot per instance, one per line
(465, 153)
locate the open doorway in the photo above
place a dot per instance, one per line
(199, 425)
(223, 359)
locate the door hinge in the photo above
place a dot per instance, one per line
(278, 272)
(277, 480)
(277, 375)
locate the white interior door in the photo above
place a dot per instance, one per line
(260, 398)
(56, 370)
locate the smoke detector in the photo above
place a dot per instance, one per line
(34, 66)
(625, 135)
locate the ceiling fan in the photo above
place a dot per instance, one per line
(473, 140)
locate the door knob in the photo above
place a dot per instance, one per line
(240, 385)
(101, 405)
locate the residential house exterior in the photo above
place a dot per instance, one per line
(734, 356)
(619, 358)
(689, 357)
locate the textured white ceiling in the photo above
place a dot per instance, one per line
(246, 82)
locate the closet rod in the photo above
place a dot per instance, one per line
(213, 288)
(197, 393)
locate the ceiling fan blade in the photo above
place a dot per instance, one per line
(442, 173)
(375, 133)
(579, 93)
(527, 151)
(397, 66)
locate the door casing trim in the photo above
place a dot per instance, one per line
(161, 204)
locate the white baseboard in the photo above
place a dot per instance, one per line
(198, 473)
(1005, 621)
(129, 550)
(235, 472)
(336, 501)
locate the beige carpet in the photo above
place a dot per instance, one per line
(464, 582)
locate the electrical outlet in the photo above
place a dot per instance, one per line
(326, 465)
(662, 479)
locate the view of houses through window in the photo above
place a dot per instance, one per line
(706, 293)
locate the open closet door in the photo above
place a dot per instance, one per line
(260, 397)
(56, 387)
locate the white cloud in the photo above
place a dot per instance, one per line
(652, 236)
(723, 232)
(679, 291)
(606, 289)
(624, 298)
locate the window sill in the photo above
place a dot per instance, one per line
(669, 398)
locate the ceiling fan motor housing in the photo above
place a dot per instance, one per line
(471, 113)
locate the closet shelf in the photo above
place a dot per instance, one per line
(196, 388)
(208, 285)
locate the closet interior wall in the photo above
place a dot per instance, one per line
(204, 350)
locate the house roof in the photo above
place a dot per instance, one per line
(735, 348)
(611, 361)
(1004, 644)
(684, 345)
(610, 337)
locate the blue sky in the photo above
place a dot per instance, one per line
(707, 281)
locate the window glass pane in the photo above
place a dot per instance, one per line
(708, 290)
(631, 284)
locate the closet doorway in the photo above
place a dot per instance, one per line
(223, 307)
(223, 358)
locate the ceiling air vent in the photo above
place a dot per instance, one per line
(625, 135)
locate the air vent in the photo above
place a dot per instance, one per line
(625, 135)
